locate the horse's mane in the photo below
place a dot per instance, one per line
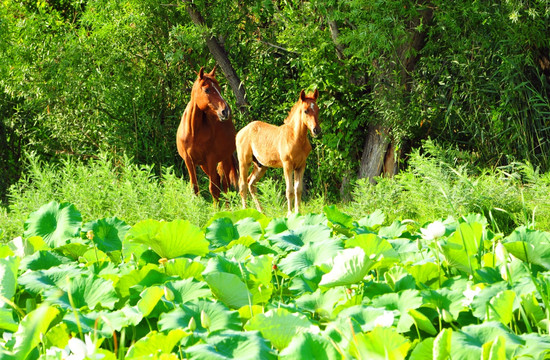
(290, 115)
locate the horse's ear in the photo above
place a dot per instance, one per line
(315, 94)
(303, 95)
(213, 72)
(201, 73)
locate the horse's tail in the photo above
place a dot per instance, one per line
(233, 175)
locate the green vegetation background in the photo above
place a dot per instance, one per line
(91, 93)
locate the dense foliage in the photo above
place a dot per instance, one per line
(245, 286)
(79, 76)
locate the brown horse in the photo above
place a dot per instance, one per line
(285, 146)
(206, 135)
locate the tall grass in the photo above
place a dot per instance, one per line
(102, 188)
(439, 183)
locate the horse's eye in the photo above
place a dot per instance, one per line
(207, 90)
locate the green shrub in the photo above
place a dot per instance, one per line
(103, 187)
(438, 183)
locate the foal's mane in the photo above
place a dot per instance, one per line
(290, 115)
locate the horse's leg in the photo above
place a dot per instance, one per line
(298, 187)
(256, 175)
(191, 169)
(223, 171)
(289, 172)
(214, 187)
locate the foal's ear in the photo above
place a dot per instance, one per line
(201, 72)
(315, 94)
(303, 95)
(213, 72)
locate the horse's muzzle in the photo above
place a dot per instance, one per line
(225, 114)
(316, 132)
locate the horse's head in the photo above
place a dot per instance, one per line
(310, 112)
(207, 94)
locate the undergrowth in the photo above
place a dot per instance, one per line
(437, 183)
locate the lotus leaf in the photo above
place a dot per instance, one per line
(280, 326)
(229, 344)
(56, 223)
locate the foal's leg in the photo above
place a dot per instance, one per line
(244, 164)
(289, 172)
(256, 175)
(298, 187)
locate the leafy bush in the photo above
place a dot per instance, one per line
(101, 188)
(440, 182)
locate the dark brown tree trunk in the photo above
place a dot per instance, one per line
(220, 55)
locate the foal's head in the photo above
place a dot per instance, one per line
(310, 112)
(208, 96)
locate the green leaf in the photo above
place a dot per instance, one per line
(501, 307)
(375, 248)
(221, 232)
(108, 233)
(467, 343)
(373, 220)
(321, 303)
(309, 346)
(35, 324)
(43, 259)
(279, 326)
(402, 301)
(8, 278)
(530, 246)
(229, 288)
(220, 317)
(236, 216)
(102, 322)
(494, 350)
(311, 254)
(146, 276)
(154, 344)
(170, 239)
(149, 299)
(350, 267)
(84, 290)
(230, 344)
(442, 345)
(184, 268)
(294, 239)
(380, 343)
(422, 322)
(481, 301)
(337, 217)
(394, 231)
(38, 281)
(461, 249)
(23, 247)
(425, 274)
(56, 223)
(188, 290)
